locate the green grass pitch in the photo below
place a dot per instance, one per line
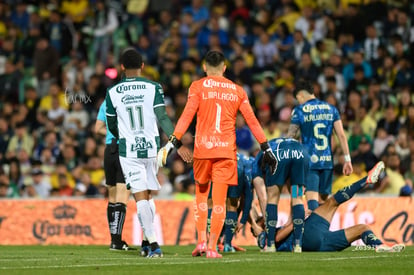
(177, 260)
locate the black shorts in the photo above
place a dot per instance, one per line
(112, 166)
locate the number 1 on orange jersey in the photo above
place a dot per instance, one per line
(218, 118)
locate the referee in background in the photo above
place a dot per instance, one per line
(118, 194)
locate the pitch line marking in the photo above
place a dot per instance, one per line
(150, 262)
(49, 259)
(166, 261)
(361, 257)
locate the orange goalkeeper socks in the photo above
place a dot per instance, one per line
(200, 211)
(218, 214)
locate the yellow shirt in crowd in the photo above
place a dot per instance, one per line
(396, 181)
(54, 180)
(46, 102)
(344, 181)
(76, 9)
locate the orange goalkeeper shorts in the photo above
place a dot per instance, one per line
(217, 170)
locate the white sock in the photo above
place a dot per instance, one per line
(152, 205)
(145, 218)
(153, 209)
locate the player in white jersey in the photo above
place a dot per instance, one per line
(133, 107)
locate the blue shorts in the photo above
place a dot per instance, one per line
(319, 181)
(317, 237)
(234, 192)
(293, 165)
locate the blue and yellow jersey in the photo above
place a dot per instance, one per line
(316, 121)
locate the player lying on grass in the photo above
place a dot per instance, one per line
(317, 236)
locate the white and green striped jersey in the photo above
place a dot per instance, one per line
(133, 101)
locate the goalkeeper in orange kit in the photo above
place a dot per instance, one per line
(216, 101)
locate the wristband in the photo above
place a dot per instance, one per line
(177, 143)
(347, 158)
(264, 146)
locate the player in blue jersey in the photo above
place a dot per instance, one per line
(316, 120)
(317, 236)
(292, 164)
(117, 192)
(239, 198)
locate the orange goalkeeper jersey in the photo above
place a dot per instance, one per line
(216, 101)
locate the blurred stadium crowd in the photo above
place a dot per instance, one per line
(58, 57)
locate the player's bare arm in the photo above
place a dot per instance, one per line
(339, 130)
(260, 187)
(256, 221)
(283, 232)
(239, 227)
(293, 131)
(100, 127)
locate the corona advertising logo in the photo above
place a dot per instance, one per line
(64, 212)
(63, 225)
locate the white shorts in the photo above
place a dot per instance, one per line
(140, 174)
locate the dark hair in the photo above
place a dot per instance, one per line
(359, 68)
(21, 124)
(285, 28)
(131, 59)
(214, 58)
(331, 79)
(186, 184)
(56, 11)
(319, 43)
(303, 85)
(238, 58)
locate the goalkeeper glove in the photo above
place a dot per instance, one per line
(166, 150)
(268, 157)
